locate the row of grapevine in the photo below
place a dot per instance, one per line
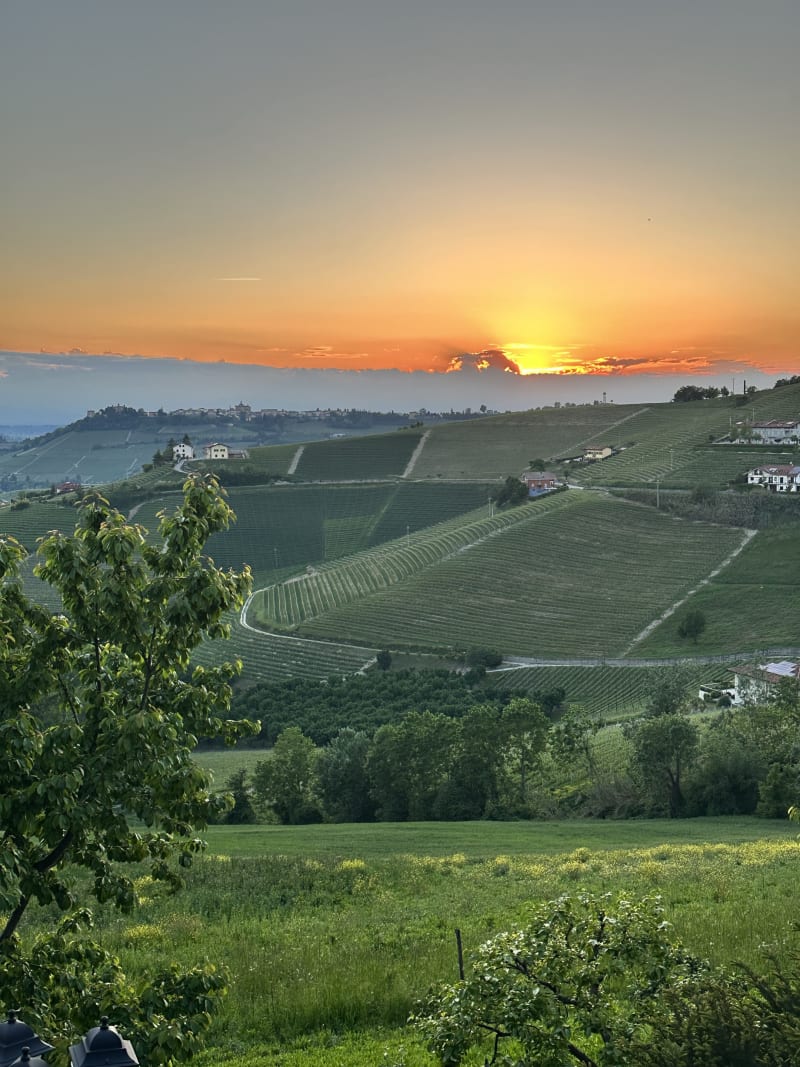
(582, 580)
(293, 601)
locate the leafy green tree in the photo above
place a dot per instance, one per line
(99, 714)
(383, 659)
(579, 984)
(285, 781)
(408, 764)
(342, 780)
(242, 811)
(662, 749)
(692, 625)
(524, 731)
(513, 491)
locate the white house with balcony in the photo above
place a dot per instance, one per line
(777, 478)
(216, 451)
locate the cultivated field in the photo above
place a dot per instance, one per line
(380, 456)
(751, 605)
(610, 693)
(570, 575)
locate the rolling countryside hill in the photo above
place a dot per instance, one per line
(388, 541)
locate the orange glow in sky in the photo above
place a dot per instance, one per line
(396, 187)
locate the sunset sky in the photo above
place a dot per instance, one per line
(600, 186)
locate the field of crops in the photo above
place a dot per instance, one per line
(608, 692)
(374, 456)
(718, 466)
(505, 444)
(91, 457)
(752, 604)
(581, 577)
(274, 658)
(296, 600)
(280, 529)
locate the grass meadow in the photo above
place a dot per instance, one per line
(332, 933)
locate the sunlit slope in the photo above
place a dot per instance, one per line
(575, 574)
(753, 604)
(505, 444)
(672, 442)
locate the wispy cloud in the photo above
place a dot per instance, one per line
(243, 278)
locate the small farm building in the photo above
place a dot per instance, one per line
(777, 432)
(752, 683)
(540, 482)
(592, 452)
(182, 451)
(216, 451)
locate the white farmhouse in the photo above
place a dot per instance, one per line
(182, 451)
(777, 432)
(777, 478)
(216, 451)
(758, 682)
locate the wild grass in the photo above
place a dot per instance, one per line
(331, 933)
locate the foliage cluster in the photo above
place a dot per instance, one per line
(98, 720)
(426, 766)
(604, 982)
(362, 702)
(512, 491)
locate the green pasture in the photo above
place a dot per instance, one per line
(750, 605)
(331, 934)
(580, 577)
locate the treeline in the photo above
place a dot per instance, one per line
(507, 761)
(427, 766)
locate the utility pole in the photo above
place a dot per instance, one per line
(658, 492)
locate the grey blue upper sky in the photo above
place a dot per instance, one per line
(584, 187)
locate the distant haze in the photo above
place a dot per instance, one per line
(38, 388)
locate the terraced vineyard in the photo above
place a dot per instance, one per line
(280, 529)
(662, 440)
(718, 466)
(608, 692)
(753, 604)
(272, 658)
(28, 524)
(335, 586)
(376, 456)
(506, 444)
(582, 575)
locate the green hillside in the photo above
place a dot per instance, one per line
(752, 604)
(285, 528)
(607, 692)
(381, 456)
(574, 574)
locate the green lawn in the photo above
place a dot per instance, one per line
(482, 840)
